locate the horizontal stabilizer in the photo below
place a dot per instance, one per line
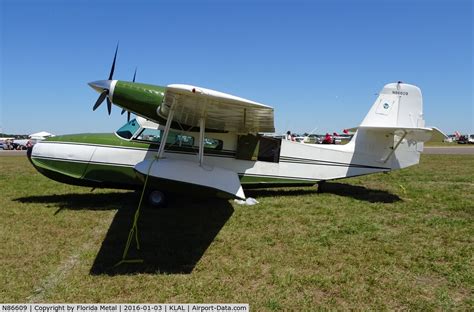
(438, 135)
(415, 134)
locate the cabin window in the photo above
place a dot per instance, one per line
(128, 129)
(174, 138)
(180, 140)
(153, 135)
(213, 144)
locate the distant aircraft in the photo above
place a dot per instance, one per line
(193, 140)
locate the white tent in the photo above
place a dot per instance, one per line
(40, 135)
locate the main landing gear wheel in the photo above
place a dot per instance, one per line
(321, 187)
(157, 199)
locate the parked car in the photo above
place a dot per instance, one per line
(463, 139)
(7, 145)
(20, 144)
(470, 139)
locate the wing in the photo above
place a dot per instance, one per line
(221, 111)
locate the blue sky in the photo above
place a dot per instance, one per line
(318, 63)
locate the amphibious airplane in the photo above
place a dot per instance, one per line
(188, 139)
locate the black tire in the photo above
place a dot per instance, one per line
(157, 199)
(321, 187)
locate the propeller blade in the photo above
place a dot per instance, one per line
(134, 75)
(100, 99)
(113, 64)
(109, 105)
(123, 110)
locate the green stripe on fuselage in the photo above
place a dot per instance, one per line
(95, 175)
(111, 174)
(91, 174)
(73, 170)
(250, 180)
(99, 139)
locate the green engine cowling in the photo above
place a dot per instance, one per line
(139, 98)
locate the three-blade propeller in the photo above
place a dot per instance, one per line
(105, 94)
(104, 87)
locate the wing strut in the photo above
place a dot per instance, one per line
(384, 160)
(202, 127)
(161, 150)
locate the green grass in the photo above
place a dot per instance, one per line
(403, 240)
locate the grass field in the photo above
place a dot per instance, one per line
(447, 144)
(403, 240)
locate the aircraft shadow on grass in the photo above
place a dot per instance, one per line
(84, 201)
(340, 189)
(172, 239)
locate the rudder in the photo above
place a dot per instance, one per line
(394, 130)
(398, 105)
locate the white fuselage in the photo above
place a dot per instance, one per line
(297, 161)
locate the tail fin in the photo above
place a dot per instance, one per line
(394, 129)
(399, 105)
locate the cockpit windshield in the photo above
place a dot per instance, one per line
(129, 129)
